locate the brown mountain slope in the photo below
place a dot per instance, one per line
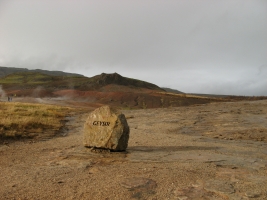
(112, 89)
(30, 80)
(4, 71)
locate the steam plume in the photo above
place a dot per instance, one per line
(2, 92)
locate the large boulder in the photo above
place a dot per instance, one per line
(106, 128)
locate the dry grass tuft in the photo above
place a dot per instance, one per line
(30, 120)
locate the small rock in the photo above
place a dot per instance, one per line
(141, 188)
(193, 193)
(218, 186)
(130, 117)
(182, 198)
(137, 182)
(93, 170)
(252, 195)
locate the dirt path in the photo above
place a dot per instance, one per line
(215, 151)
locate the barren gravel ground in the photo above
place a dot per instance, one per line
(214, 151)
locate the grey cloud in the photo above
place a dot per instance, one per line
(164, 42)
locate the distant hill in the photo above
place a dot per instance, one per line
(106, 79)
(172, 90)
(103, 89)
(211, 95)
(32, 78)
(4, 71)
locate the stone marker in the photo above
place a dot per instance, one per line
(106, 128)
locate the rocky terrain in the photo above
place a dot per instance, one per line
(181, 146)
(112, 89)
(209, 151)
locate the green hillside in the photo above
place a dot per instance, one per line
(28, 80)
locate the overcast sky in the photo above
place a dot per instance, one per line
(195, 46)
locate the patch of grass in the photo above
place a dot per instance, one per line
(30, 120)
(34, 78)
